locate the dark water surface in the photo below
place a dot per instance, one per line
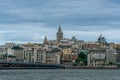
(61, 74)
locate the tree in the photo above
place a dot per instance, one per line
(82, 58)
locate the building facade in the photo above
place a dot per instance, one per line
(111, 56)
(96, 58)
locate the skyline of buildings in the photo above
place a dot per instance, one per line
(64, 51)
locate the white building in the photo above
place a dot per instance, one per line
(96, 58)
(111, 56)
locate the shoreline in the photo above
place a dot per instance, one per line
(6, 65)
(12, 68)
(93, 67)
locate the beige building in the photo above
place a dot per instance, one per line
(40, 56)
(18, 52)
(93, 45)
(53, 57)
(66, 55)
(115, 46)
(111, 56)
(29, 55)
(35, 55)
(96, 58)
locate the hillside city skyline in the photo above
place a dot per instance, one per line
(68, 52)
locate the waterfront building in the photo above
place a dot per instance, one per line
(74, 55)
(118, 59)
(29, 55)
(18, 52)
(66, 55)
(53, 57)
(96, 57)
(111, 56)
(2, 53)
(6, 53)
(40, 56)
(29, 52)
(33, 53)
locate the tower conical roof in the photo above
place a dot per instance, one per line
(59, 29)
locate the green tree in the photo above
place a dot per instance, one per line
(82, 59)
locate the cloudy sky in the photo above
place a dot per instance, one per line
(31, 20)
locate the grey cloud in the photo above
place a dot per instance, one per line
(37, 18)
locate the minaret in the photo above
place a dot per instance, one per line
(59, 34)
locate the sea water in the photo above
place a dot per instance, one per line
(60, 74)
